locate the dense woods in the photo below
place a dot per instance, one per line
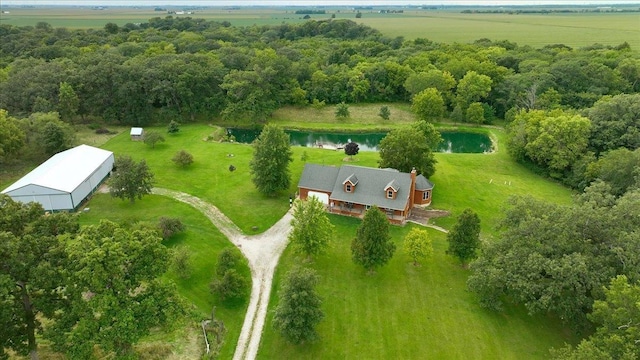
(189, 68)
(571, 114)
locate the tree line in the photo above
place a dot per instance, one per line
(185, 68)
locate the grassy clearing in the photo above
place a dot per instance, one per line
(443, 25)
(363, 117)
(407, 312)
(202, 239)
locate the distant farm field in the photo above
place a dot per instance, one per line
(537, 30)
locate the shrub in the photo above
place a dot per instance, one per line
(182, 262)
(173, 127)
(170, 226)
(182, 158)
(231, 286)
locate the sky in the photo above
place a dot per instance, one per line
(313, 2)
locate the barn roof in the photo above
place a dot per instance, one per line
(64, 171)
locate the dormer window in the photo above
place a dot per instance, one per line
(350, 183)
(391, 190)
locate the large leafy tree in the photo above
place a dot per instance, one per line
(271, 157)
(464, 237)
(118, 293)
(617, 317)
(553, 139)
(130, 180)
(616, 122)
(31, 272)
(372, 247)
(312, 229)
(11, 136)
(405, 149)
(298, 310)
(428, 104)
(68, 102)
(471, 88)
(553, 258)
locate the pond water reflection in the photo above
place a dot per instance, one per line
(453, 141)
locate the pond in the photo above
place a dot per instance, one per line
(453, 141)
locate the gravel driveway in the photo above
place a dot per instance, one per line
(262, 251)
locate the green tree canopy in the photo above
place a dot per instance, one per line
(11, 136)
(553, 258)
(31, 272)
(464, 237)
(428, 104)
(405, 149)
(68, 102)
(152, 138)
(311, 229)
(118, 295)
(417, 245)
(372, 247)
(130, 180)
(271, 157)
(298, 311)
(617, 317)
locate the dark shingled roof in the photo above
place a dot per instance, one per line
(422, 183)
(318, 177)
(371, 187)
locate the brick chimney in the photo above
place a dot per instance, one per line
(413, 187)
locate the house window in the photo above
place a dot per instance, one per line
(425, 195)
(390, 194)
(348, 188)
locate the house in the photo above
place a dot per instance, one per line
(65, 180)
(351, 190)
(136, 133)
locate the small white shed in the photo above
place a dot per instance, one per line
(136, 133)
(65, 180)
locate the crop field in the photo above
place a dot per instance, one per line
(449, 25)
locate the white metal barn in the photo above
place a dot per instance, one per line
(65, 180)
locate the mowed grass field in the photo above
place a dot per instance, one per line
(402, 311)
(449, 25)
(406, 312)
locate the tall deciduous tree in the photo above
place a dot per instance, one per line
(417, 244)
(428, 104)
(131, 180)
(464, 237)
(372, 247)
(11, 136)
(68, 102)
(271, 157)
(404, 149)
(553, 258)
(617, 318)
(31, 272)
(298, 310)
(117, 289)
(312, 229)
(471, 88)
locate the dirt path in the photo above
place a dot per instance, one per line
(262, 251)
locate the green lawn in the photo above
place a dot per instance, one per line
(407, 312)
(201, 238)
